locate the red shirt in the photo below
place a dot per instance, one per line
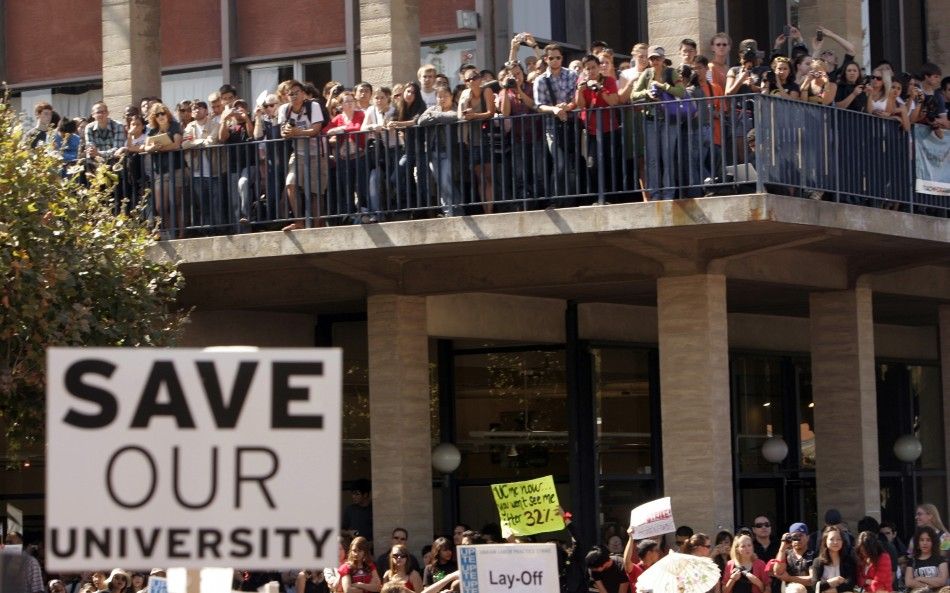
(353, 125)
(594, 99)
(635, 571)
(363, 574)
(877, 576)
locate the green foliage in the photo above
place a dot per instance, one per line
(73, 273)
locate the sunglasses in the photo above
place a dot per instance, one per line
(761, 525)
(875, 77)
(161, 113)
(721, 44)
(470, 78)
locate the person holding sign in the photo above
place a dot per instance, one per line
(358, 573)
(744, 573)
(400, 571)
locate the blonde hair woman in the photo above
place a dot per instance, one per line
(817, 87)
(744, 573)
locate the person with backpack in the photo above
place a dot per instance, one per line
(301, 120)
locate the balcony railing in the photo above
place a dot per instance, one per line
(693, 148)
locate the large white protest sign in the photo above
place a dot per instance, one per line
(652, 518)
(190, 458)
(503, 568)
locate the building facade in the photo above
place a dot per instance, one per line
(629, 350)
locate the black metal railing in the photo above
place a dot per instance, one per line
(685, 149)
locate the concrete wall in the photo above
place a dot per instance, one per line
(938, 34)
(527, 319)
(249, 328)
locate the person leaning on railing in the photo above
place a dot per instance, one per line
(817, 86)
(522, 140)
(851, 93)
(163, 144)
(273, 167)
(236, 132)
(779, 81)
(441, 139)
(661, 136)
(381, 151)
(348, 154)
(203, 161)
(409, 106)
(596, 93)
(477, 108)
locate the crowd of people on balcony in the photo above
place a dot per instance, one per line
(514, 138)
(752, 559)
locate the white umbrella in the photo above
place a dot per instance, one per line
(680, 573)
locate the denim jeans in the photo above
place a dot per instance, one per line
(440, 163)
(662, 138)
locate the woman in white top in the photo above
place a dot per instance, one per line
(381, 151)
(881, 101)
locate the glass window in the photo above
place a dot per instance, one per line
(510, 415)
(351, 337)
(926, 390)
(759, 410)
(623, 412)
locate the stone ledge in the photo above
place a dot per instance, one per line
(756, 208)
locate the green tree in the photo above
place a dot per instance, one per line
(73, 273)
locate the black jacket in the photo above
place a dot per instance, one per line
(849, 570)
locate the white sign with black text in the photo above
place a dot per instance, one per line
(186, 457)
(505, 568)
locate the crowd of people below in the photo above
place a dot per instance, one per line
(750, 560)
(364, 151)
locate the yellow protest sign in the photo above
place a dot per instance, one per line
(528, 507)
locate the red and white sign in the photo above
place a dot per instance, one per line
(652, 518)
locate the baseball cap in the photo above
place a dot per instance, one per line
(656, 51)
(798, 528)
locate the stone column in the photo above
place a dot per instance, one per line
(944, 341)
(389, 40)
(938, 39)
(131, 52)
(694, 385)
(400, 432)
(674, 20)
(845, 395)
(841, 16)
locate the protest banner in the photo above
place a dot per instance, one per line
(195, 458)
(652, 518)
(503, 568)
(529, 507)
(933, 162)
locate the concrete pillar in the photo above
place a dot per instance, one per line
(674, 20)
(389, 41)
(694, 386)
(944, 341)
(845, 395)
(841, 16)
(938, 37)
(400, 432)
(131, 52)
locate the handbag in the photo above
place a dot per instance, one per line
(677, 109)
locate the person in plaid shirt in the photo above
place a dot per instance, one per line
(104, 136)
(554, 94)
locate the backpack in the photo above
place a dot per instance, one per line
(308, 109)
